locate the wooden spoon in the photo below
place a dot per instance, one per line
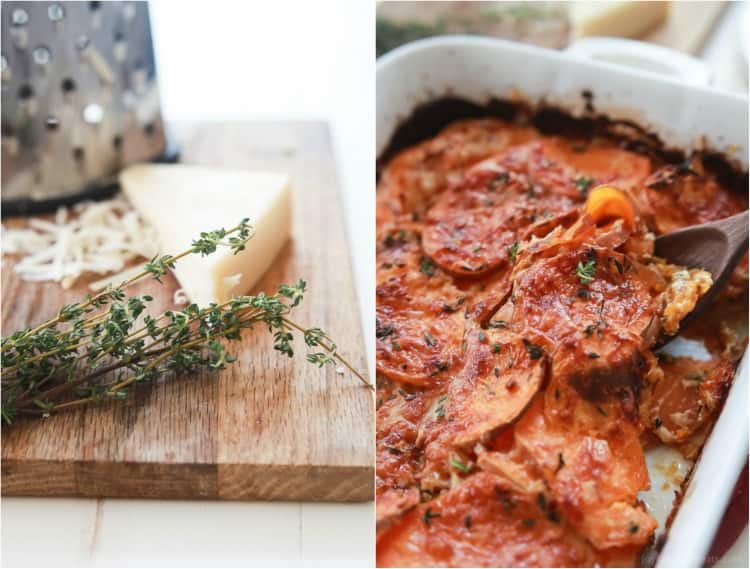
(716, 247)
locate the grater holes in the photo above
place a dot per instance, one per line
(149, 129)
(19, 17)
(56, 12)
(117, 142)
(78, 153)
(68, 85)
(82, 42)
(25, 92)
(41, 55)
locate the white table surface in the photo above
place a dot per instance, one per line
(269, 60)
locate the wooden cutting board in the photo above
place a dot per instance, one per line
(267, 427)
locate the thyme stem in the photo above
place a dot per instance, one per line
(173, 341)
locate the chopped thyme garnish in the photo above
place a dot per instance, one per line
(396, 345)
(482, 336)
(389, 241)
(383, 331)
(497, 372)
(429, 515)
(601, 411)
(657, 422)
(460, 466)
(593, 356)
(586, 271)
(429, 340)
(467, 522)
(427, 266)
(513, 252)
(633, 527)
(583, 184)
(495, 348)
(557, 393)
(535, 352)
(440, 409)
(529, 522)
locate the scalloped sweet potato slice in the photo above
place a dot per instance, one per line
(413, 179)
(583, 289)
(498, 380)
(680, 197)
(473, 225)
(592, 460)
(477, 241)
(419, 316)
(686, 397)
(600, 164)
(484, 522)
(396, 453)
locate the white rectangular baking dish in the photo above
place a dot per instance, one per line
(478, 69)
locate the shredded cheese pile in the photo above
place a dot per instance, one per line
(92, 237)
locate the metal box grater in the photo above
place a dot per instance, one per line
(79, 100)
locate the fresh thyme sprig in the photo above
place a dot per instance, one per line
(99, 348)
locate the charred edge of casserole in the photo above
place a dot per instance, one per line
(428, 119)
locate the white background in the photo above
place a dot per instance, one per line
(269, 60)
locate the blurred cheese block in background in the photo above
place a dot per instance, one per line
(622, 19)
(181, 201)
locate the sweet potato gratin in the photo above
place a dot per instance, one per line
(518, 309)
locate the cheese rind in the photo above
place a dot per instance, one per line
(621, 19)
(181, 201)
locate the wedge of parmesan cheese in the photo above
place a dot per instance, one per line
(181, 201)
(621, 19)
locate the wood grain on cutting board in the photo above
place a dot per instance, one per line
(267, 427)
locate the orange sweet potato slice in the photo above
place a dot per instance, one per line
(419, 316)
(484, 522)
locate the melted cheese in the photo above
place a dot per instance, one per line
(181, 201)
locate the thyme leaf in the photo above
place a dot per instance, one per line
(96, 349)
(586, 271)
